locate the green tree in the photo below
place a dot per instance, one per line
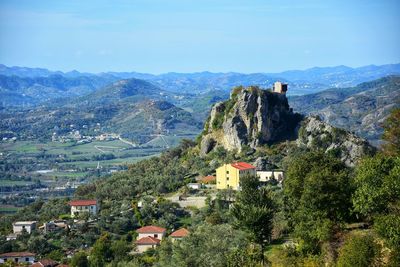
(80, 260)
(317, 196)
(359, 250)
(101, 252)
(208, 245)
(120, 249)
(391, 134)
(254, 211)
(378, 185)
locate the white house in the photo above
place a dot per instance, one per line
(81, 206)
(29, 226)
(18, 257)
(151, 230)
(265, 176)
(149, 237)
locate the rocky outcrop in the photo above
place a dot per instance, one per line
(315, 134)
(251, 117)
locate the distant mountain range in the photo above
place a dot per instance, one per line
(360, 109)
(30, 86)
(139, 105)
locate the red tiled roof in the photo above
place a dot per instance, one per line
(148, 240)
(84, 202)
(180, 233)
(242, 166)
(18, 254)
(208, 179)
(151, 229)
(45, 263)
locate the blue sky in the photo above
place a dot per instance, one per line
(159, 36)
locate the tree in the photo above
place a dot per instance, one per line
(391, 134)
(317, 196)
(101, 252)
(208, 245)
(79, 260)
(378, 185)
(120, 250)
(254, 211)
(359, 250)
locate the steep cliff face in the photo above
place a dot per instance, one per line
(250, 117)
(315, 134)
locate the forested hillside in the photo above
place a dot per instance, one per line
(361, 109)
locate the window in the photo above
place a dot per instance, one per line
(26, 259)
(156, 235)
(227, 172)
(227, 178)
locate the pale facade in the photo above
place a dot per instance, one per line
(17, 257)
(82, 206)
(265, 176)
(151, 231)
(29, 226)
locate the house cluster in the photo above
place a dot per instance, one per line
(228, 175)
(151, 237)
(27, 259)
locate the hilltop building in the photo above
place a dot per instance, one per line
(228, 175)
(80, 206)
(280, 88)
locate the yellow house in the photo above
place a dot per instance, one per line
(228, 175)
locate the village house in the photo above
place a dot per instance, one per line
(54, 226)
(146, 243)
(266, 176)
(179, 234)
(228, 175)
(17, 257)
(29, 226)
(149, 237)
(81, 206)
(151, 230)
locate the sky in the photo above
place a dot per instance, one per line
(158, 36)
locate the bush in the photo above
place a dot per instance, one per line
(359, 250)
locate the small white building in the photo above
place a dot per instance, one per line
(266, 176)
(29, 226)
(149, 237)
(151, 230)
(17, 257)
(195, 186)
(81, 206)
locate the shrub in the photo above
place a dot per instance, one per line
(359, 250)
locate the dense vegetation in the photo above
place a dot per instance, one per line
(325, 212)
